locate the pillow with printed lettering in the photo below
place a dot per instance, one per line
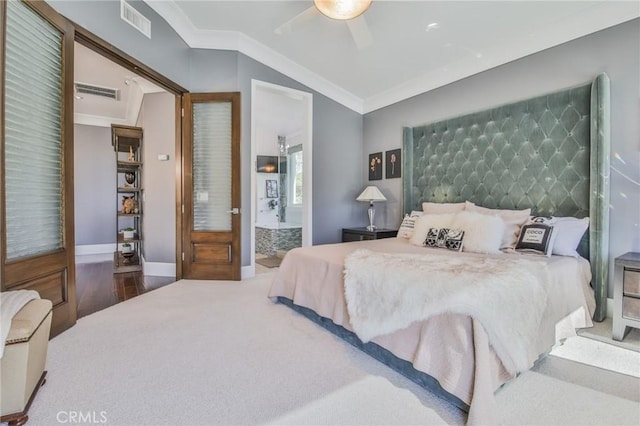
(536, 238)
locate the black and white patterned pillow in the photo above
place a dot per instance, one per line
(450, 239)
(536, 238)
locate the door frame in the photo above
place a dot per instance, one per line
(42, 268)
(307, 163)
(98, 45)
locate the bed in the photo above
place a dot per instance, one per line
(549, 154)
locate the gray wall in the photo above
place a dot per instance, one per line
(159, 177)
(337, 148)
(614, 51)
(165, 52)
(337, 130)
(94, 185)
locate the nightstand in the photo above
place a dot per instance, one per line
(359, 234)
(626, 294)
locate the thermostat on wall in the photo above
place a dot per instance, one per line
(163, 157)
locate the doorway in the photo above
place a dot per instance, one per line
(106, 94)
(281, 174)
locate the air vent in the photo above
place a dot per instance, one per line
(105, 92)
(136, 19)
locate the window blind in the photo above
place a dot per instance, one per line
(33, 133)
(212, 166)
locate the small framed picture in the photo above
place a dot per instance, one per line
(375, 166)
(272, 188)
(393, 163)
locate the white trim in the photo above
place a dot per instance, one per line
(94, 253)
(158, 269)
(96, 120)
(307, 159)
(233, 40)
(90, 249)
(248, 272)
(588, 21)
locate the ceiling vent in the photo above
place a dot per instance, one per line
(89, 89)
(134, 18)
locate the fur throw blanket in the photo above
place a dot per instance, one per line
(387, 292)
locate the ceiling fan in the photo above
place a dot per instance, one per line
(349, 11)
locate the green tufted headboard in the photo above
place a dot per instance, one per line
(549, 153)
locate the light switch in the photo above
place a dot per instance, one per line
(163, 157)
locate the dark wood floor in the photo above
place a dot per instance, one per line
(97, 287)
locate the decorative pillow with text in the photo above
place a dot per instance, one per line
(536, 238)
(408, 224)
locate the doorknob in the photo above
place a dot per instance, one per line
(234, 210)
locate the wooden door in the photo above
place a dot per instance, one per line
(211, 186)
(36, 201)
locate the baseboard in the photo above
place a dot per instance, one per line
(95, 253)
(247, 272)
(95, 249)
(158, 269)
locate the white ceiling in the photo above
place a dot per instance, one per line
(94, 69)
(416, 46)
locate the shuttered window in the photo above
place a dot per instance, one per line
(33, 134)
(212, 166)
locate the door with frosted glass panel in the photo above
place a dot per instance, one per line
(37, 247)
(211, 192)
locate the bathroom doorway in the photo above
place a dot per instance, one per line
(281, 152)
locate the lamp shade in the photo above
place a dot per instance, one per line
(342, 9)
(371, 194)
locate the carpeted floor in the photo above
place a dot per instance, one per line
(600, 354)
(199, 352)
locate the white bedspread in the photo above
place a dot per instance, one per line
(452, 348)
(10, 303)
(387, 292)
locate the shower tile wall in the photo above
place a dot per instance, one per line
(269, 241)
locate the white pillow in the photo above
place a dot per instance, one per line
(513, 221)
(442, 208)
(569, 232)
(426, 222)
(482, 233)
(408, 224)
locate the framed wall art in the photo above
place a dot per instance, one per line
(393, 163)
(375, 166)
(272, 188)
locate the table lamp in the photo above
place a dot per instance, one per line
(371, 194)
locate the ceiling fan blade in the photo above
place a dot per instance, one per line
(360, 32)
(300, 18)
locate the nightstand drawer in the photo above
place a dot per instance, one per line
(361, 234)
(631, 308)
(632, 283)
(349, 236)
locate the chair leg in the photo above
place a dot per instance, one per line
(19, 419)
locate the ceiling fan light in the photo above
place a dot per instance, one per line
(342, 9)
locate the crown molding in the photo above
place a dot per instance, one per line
(232, 40)
(588, 21)
(98, 120)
